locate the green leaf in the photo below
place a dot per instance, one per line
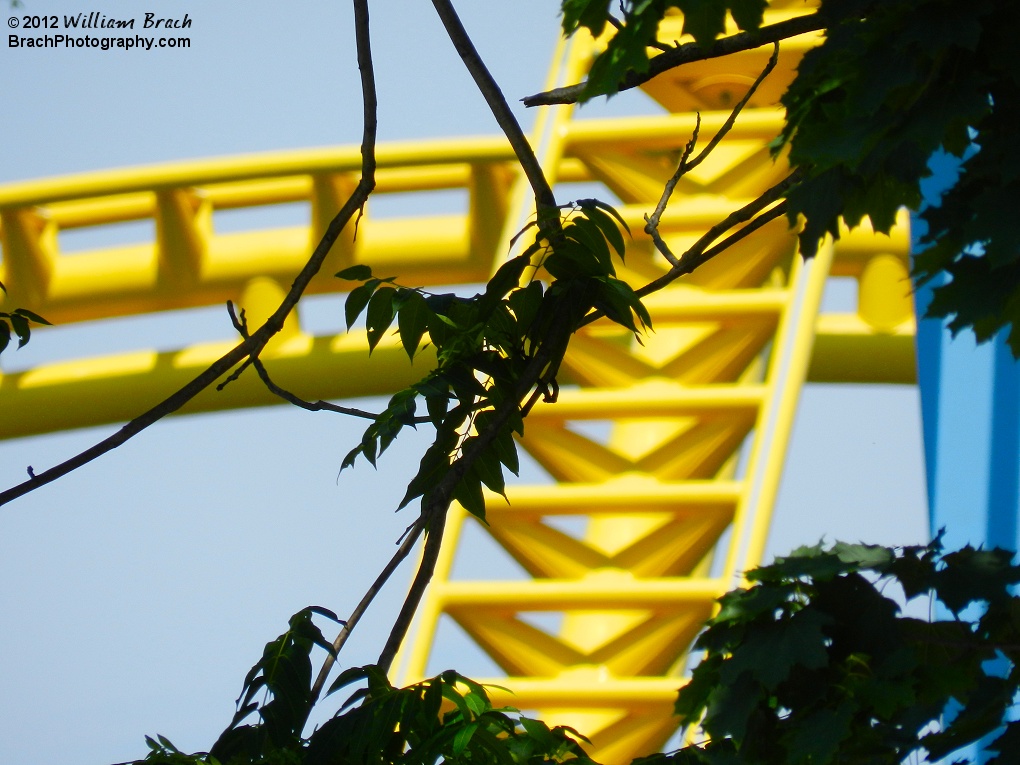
(572, 259)
(618, 300)
(587, 233)
(434, 464)
(488, 468)
(585, 13)
(413, 321)
(31, 316)
(21, 328)
(693, 697)
(402, 406)
(468, 493)
(525, 303)
(730, 707)
(704, 20)
(606, 224)
(357, 300)
(476, 702)
(505, 448)
(379, 316)
(463, 738)
(358, 273)
(507, 278)
(748, 14)
(349, 676)
(816, 737)
(771, 651)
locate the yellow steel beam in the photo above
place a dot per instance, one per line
(123, 386)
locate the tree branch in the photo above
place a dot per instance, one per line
(257, 341)
(652, 221)
(686, 54)
(241, 325)
(699, 253)
(490, 90)
(437, 503)
(406, 545)
(685, 166)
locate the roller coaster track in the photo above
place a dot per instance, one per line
(667, 455)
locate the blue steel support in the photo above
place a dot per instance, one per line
(970, 407)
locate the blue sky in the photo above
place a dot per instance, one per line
(136, 593)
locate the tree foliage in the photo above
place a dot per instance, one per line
(485, 345)
(893, 82)
(17, 323)
(815, 663)
(448, 718)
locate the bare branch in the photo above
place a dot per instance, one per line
(684, 167)
(699, 253)
(689, 264)
(273, 324)
(406, 545)
(434, 527)
(652, 221)
(687, 54)
(735, 112)
(241, 325)
(497, 103)
(533, 380)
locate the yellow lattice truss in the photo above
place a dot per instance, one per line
(662, 448)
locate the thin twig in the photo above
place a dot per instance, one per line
(241, 325)
(406, 545)
(690, 264)
(262, 335)
(434, 527)
(652, 221)
(689, 53)
(698, 253)
(685, 166)
(735, 111)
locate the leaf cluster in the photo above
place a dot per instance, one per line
(893, 83)
(17, 323)
(813, 664)
(284, 678)
(627, 50)
(448, 718)
(485, 346)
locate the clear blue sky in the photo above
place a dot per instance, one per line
(136, 593)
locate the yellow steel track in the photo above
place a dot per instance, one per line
(670, 452)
